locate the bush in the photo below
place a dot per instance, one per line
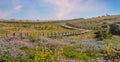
(103, 35)
(47, 54)
(115, 29)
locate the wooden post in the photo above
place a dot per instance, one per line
(13, 34)
(20, 35)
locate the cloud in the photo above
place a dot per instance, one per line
(7, 13)
(4, 14)
(64, 8)
(58, 9)
(15, 7)
(18, 7)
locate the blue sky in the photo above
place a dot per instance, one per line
(57, 9)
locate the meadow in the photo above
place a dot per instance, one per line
(76, 40)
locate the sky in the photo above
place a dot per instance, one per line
(57, 9)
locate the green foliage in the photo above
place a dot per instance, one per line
(7, 58)
(115, 41)
(115, 29)
(103, 35)
(78, 53)
(111, 52)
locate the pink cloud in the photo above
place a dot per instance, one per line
(64, 8)
(4, 14)
(18, 7)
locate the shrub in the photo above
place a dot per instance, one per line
(103, 35)
(46, 54)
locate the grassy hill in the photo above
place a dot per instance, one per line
(72, 40)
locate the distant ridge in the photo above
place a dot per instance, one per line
(69, 20)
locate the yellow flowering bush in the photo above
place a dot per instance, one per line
(46, 54)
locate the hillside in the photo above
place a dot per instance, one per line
(76, 40)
